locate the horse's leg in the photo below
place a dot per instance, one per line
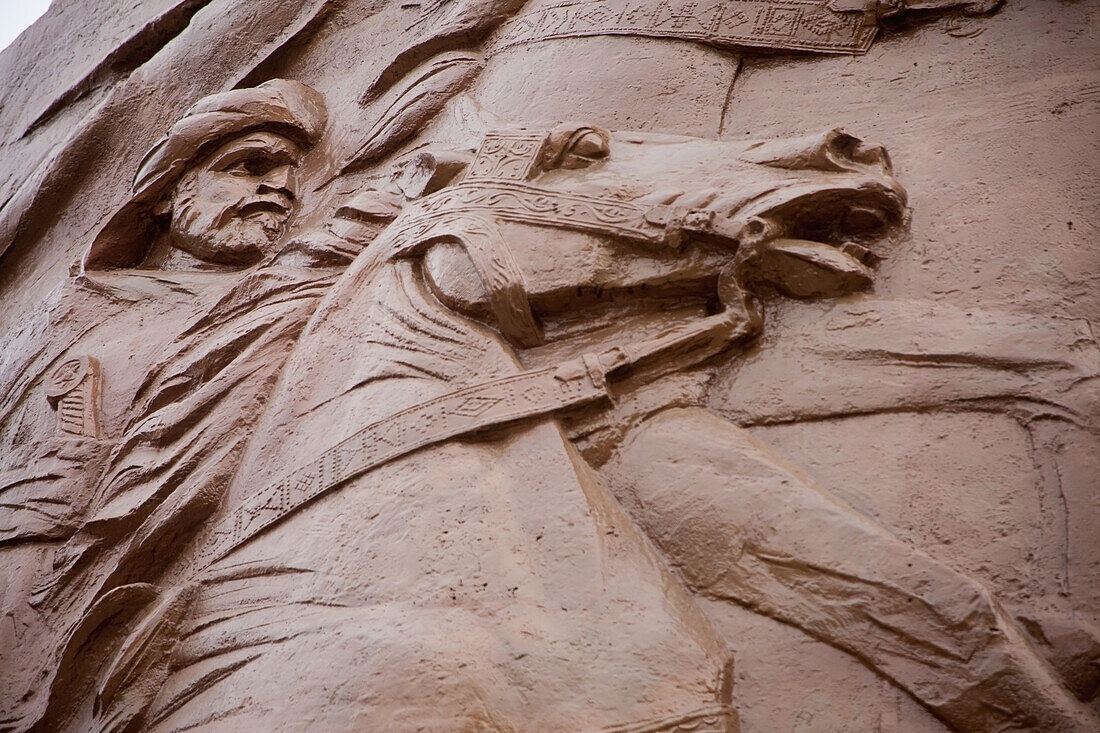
(742, 525)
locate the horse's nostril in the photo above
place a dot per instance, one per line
(861, 253)
(757, 229)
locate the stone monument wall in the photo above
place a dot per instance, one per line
(504, 365)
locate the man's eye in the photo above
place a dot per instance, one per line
(250, 167)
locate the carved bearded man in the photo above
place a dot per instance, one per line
(177, 323)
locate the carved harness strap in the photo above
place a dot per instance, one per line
(492, 403)
(523, 396)
(498, 271)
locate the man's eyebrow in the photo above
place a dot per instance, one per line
(256, 144)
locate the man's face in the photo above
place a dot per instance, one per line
(232, 207)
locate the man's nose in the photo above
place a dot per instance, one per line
(279, 179)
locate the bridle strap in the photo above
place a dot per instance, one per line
(498, 271)
(527, 204)
(489, 404)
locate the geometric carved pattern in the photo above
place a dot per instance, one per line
(802, 25)
(529, 204)
(515, 397)
(508, 156)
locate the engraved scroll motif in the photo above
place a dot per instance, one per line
(534, 205)
(798, 25)
(73, 390)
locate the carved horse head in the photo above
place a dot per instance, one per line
(538, 226)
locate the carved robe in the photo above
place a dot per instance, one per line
(214, 345)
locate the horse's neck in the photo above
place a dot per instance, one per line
(379, 345)
(412, 338)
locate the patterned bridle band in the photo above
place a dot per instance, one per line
(497, 186)
(533, 205)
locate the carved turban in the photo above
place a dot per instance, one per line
(283, 106)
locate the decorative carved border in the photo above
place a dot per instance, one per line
(796, 25)
(508, 156)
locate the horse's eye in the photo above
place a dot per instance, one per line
(576, 147)
(590, 145)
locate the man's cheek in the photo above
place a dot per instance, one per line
(225, 192)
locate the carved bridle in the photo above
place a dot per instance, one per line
(498, 187)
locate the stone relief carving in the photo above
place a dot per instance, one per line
(424, 437)
(872, 596)
(222, 179)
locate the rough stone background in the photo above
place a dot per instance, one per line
(993, 124)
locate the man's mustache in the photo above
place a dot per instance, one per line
(250, 206)
(272, 203)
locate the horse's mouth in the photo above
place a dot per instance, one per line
(862, 212)
(817, 240)
(807, 239)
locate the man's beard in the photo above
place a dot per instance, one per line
(251, 228)
(241, 234)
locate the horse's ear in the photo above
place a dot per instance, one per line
(358, 220)
(428, 171)
(370, 205)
